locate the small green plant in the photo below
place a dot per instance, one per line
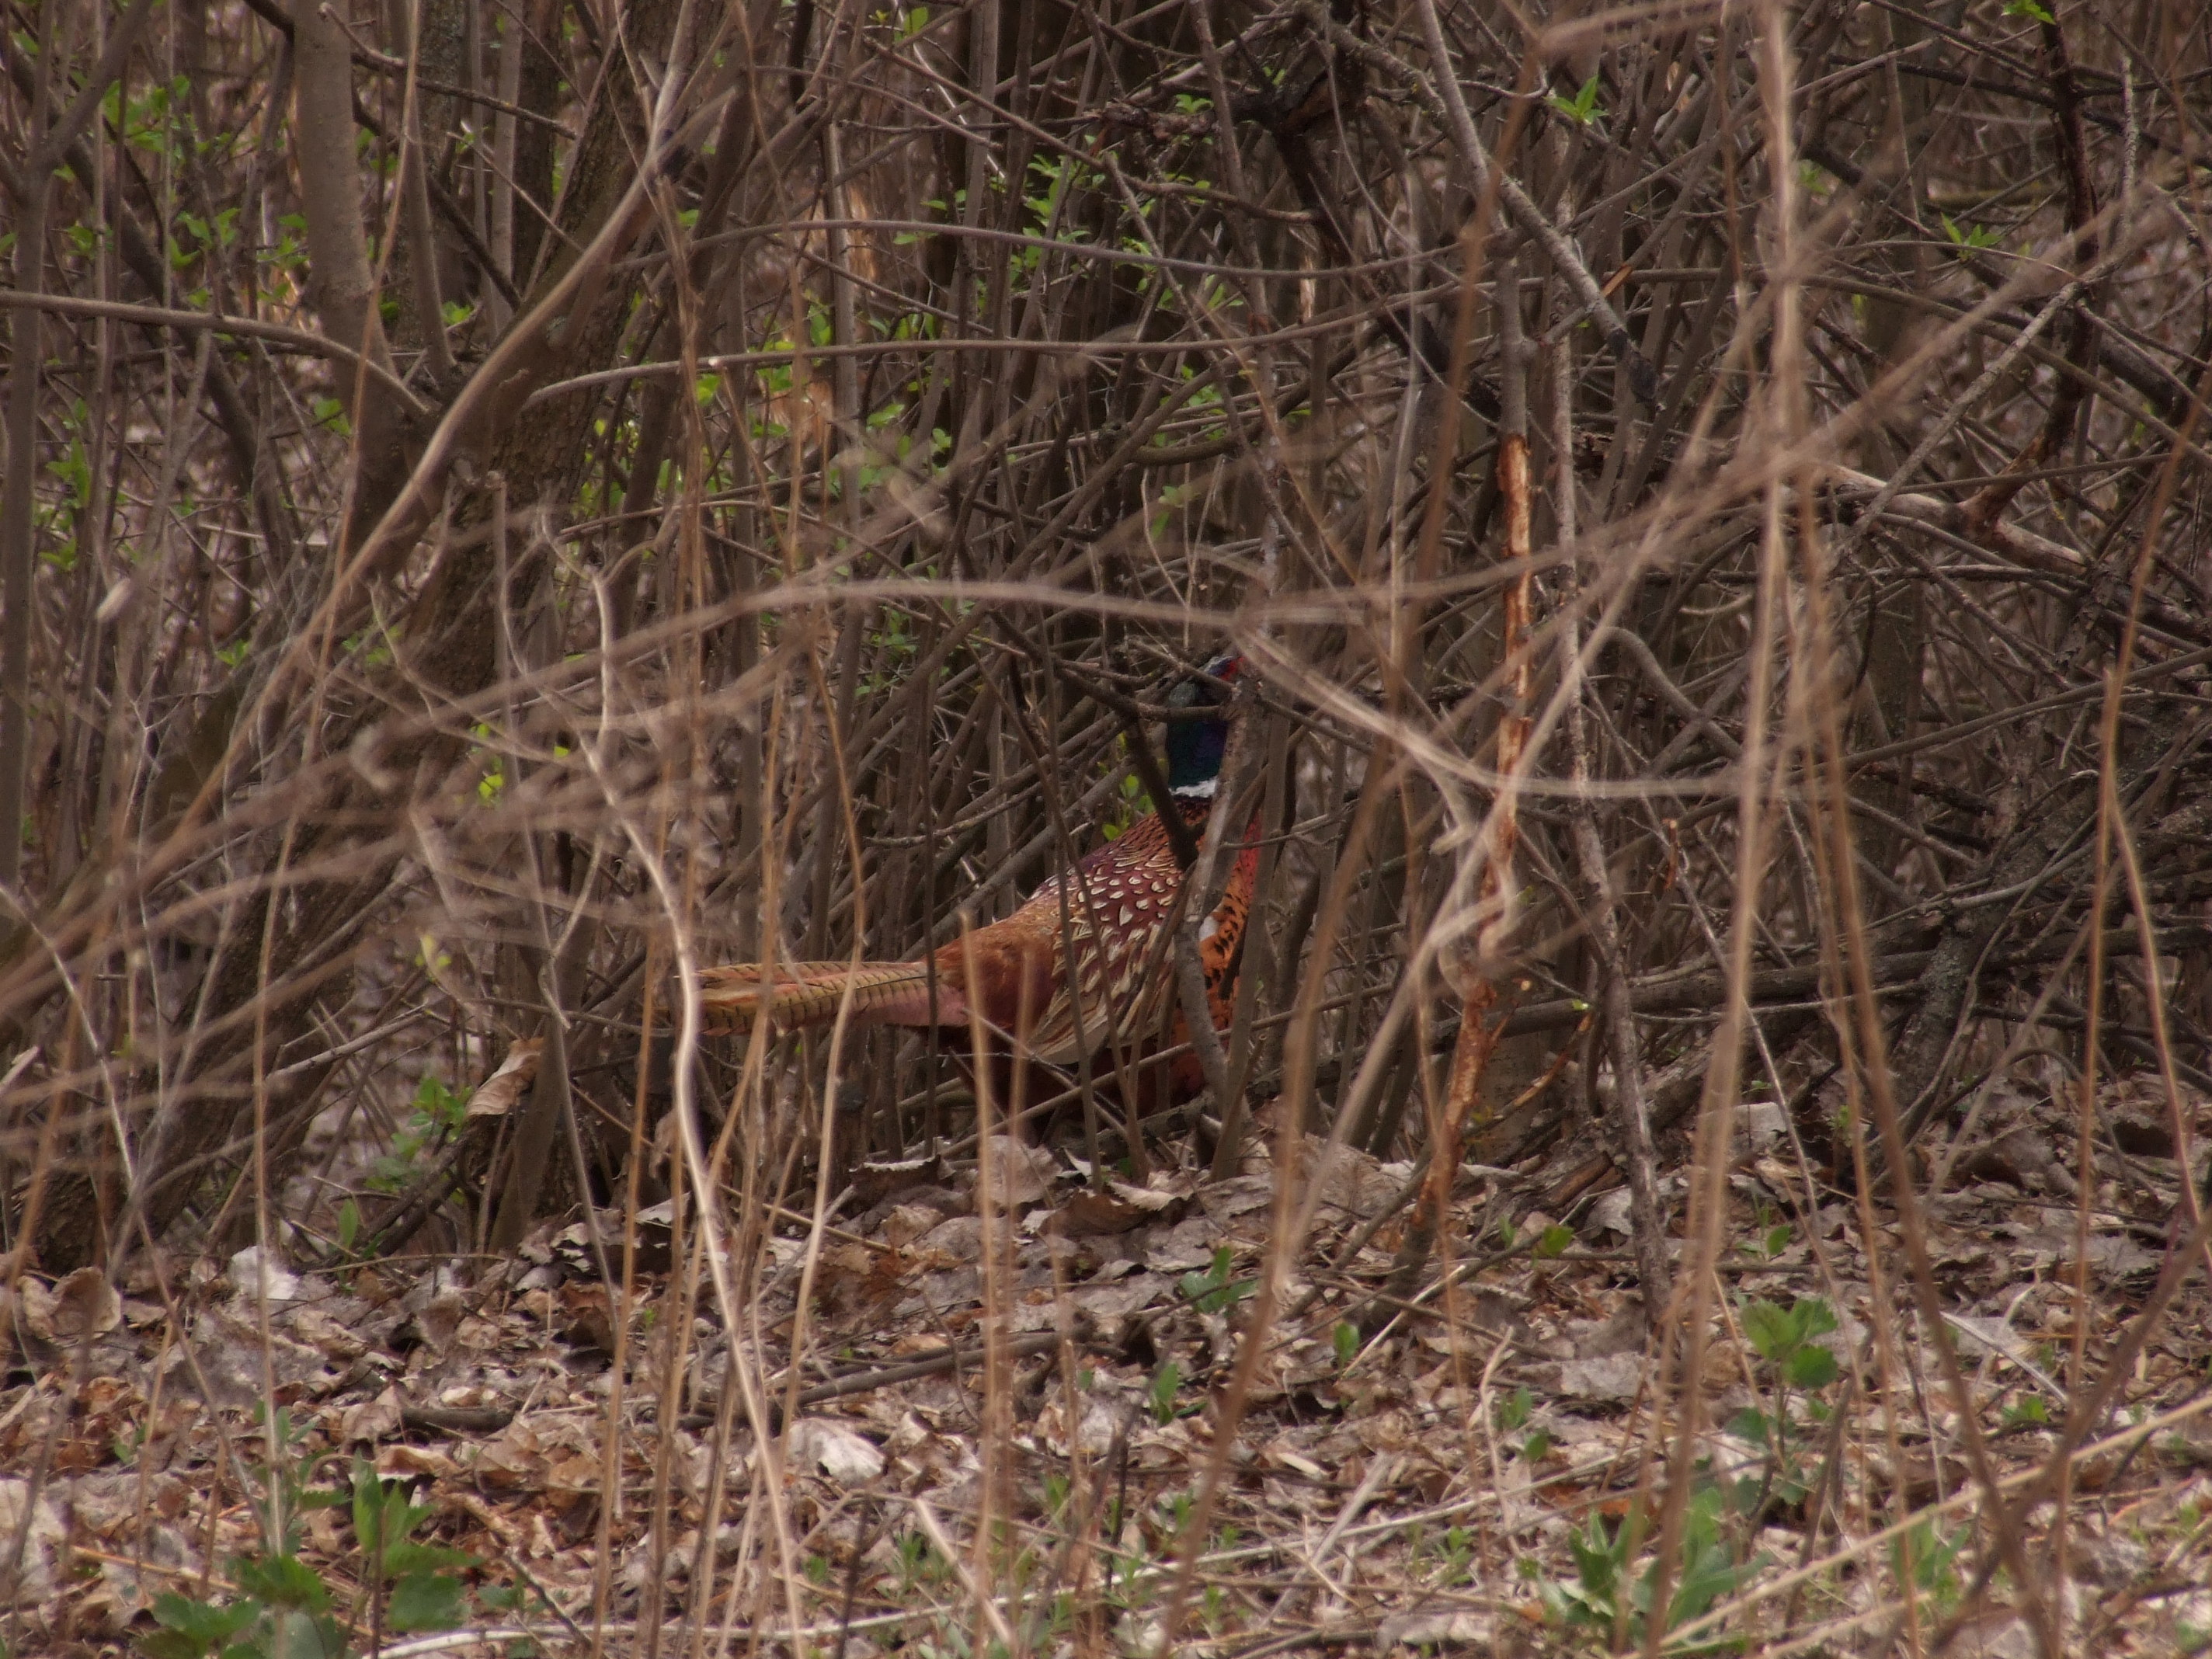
(1794, 1362)
(1053, 177)
(1177, 1508)
(1132, 804)
(1166, 1382)
(1345, 1339)
(1214, 1291)
(1607, 1593)
(1214, 1607)
(1770, 1234)
(893, 647)
(1929, 1556)
(282, 1609)
(190, 1629)
(1453, 1553)
(1172, 497)
(1458, 1554)
(1784, 1338)
(918, 1563)
(412, 1581)
(1971, 238)
(438, 1112)
(1510, 1412)
(1583, 108)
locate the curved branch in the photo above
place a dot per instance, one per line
(299, 340)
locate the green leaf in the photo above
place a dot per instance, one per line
(1596, 1563)
(1973, 236)
(1211, 1290)
(1749, 1424)
(425, 1601)
(1810, 1368)
(1778, 1333)
(1581, 109)
(1165, 1382)
(1816, 1317)
(1710, 1574)
(203, 1624)
(418, 1557)
(282, 1581)
(1926, 1554)
(1513, 1411)
(297, 1635)
(1768, 1329)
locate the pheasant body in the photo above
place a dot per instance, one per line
(1083, 967)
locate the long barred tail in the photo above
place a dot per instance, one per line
(811, 993)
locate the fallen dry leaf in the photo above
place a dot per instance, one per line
(498, 1094)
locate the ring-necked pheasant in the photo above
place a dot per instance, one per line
(1113, 942)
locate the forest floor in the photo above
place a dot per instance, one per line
(1485, 1473)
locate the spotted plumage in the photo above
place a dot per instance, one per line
(1082, 968)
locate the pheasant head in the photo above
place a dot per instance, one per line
(1197, 741)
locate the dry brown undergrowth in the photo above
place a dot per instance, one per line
(507, 504)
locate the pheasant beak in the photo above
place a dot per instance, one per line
(1204, 690)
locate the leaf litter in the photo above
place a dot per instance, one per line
(1476, 1468)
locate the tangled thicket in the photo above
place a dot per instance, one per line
(504, 504)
